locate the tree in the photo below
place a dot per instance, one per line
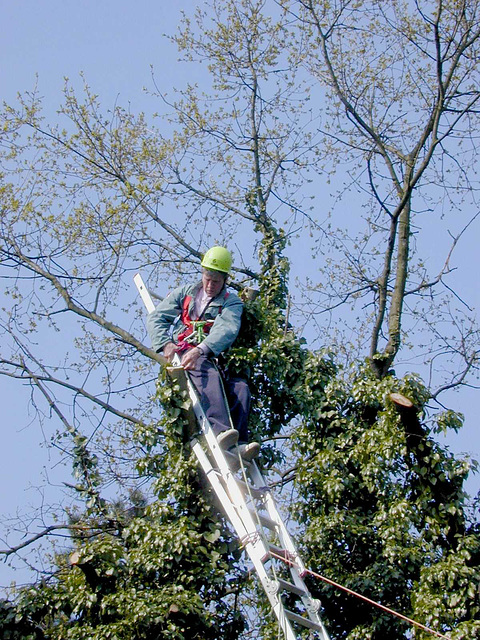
(401, 93)
(402, 110)
(131, 577)
(157, 570)
(87, 201)
(385, 512)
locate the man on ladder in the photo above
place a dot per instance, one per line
(199, 322)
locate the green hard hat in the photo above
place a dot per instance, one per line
(218, 259)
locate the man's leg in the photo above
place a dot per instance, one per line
(207, 382)
(239, 399)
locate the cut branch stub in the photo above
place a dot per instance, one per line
(401, 401)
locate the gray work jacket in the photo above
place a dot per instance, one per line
(164, 323)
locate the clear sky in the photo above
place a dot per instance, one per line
(113, 43)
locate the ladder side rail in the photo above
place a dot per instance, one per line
(298, 569)
(212, 476)
(267, 583)
(237, 512)
(144, 294)
(228, 476)
(250, 539)
(235, 507)
(235, 494)
(285, 538)
(286, 541)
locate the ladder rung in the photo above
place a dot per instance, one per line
(264, 520)
(306, 622)
(273, 549)
(289, 586)
(279, 554)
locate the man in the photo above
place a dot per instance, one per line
(199, 322)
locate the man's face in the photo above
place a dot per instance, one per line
(213, 282)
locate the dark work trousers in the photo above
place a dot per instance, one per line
(208, 383)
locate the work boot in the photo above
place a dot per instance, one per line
(249, 451)
(228, 438)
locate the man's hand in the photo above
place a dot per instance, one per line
(169, 350)
(190, 358)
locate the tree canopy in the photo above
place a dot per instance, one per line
(332, 141)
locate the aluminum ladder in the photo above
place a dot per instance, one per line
(249, 505)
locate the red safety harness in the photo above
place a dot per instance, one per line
(189, 323)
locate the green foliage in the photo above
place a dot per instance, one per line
(154, 578)
(384, 511)
(283, 375)
(156, 571)
(15, 626)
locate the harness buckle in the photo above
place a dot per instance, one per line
(198, 334)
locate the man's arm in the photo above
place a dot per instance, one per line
(162, 318)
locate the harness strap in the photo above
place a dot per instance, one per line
(186, 337)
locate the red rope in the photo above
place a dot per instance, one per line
(359, 595)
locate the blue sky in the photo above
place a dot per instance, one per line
(114, 44)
